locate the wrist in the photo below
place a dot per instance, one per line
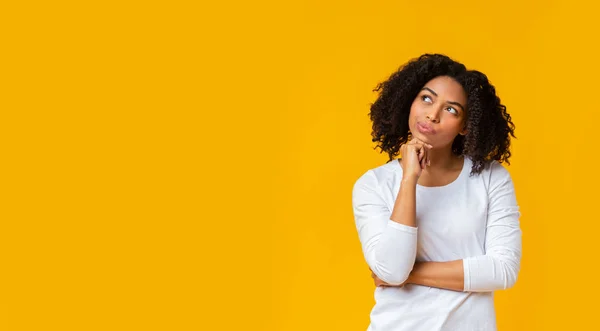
(413, 277)
(410, 179)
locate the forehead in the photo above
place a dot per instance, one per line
(447, 88)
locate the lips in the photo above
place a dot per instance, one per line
(425, 128)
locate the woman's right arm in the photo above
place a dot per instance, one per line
(388, 239)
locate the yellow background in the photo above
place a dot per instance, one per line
(188, 166)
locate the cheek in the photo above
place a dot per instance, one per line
(453, 126)
(412, 117)
(415, 110)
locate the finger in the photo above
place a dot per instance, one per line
(419, 141)
(426, 145)
(422, 158)
(423, 155)
(418, 149)
(418, 146)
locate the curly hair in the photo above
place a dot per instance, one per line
(489, 126)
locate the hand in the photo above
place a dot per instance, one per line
(379, 282)
(414, 157)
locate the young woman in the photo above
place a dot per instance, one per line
(439, 227)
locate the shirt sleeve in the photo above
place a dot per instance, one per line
(389, 247)
(499, 267)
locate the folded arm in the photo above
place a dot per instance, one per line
(388, 239)
(498, 268)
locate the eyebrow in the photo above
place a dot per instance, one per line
(450, 102)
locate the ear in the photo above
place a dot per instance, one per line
(464, 132)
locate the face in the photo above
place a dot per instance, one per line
(438, 113)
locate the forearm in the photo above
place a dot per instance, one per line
(491, 272)
(405, 209)
(447, 275)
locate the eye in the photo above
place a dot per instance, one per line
(452, 110)
(426, 98)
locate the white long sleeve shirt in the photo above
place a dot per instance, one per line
(474, 218)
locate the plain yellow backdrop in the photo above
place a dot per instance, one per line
(173, 165)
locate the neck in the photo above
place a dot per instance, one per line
(441, 159)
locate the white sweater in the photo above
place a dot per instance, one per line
(474, 218)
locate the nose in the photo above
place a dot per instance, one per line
(433, 116)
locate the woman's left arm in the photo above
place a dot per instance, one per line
(498, 268)
(447, 275)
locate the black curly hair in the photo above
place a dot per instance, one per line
(489, 125)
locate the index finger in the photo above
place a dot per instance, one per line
(422, 142)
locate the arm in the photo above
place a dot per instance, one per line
(388, 239)
(497, 269)
(447, 275)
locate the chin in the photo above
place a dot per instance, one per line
(422, 137)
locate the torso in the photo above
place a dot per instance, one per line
(451, 219)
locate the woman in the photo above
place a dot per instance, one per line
(439, 227)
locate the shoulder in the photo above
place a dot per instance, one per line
(380, 174)
(496, 175)
(495, 170)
